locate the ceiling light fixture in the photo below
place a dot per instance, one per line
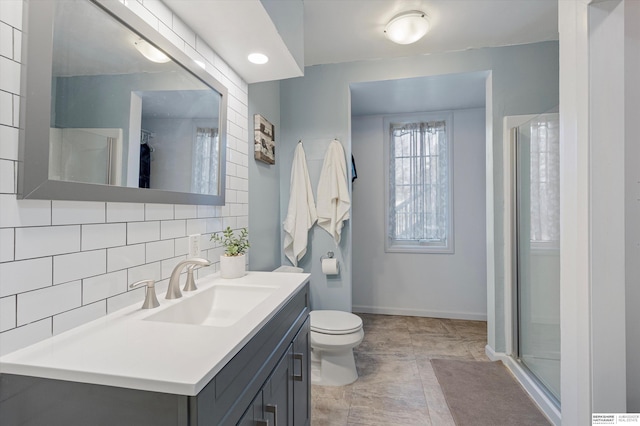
(407, 27)
(150, 52)
(258, 58)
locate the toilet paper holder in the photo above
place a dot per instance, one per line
(329, 255)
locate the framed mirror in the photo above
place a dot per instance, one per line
(112, 111)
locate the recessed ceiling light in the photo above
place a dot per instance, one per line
(258, 58)
(407, 27)
(150, 52)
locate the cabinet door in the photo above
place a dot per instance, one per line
(278, 393)
(253, 415)
(302, 376)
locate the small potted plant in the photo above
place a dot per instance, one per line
(233, 262)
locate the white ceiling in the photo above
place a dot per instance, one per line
(433, 93)
(348, 30)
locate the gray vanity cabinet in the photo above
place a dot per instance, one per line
(284, 399)
(267, 380)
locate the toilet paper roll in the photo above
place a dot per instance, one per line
(330, 266)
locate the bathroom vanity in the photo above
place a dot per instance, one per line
(192, 361)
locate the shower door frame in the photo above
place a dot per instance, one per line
(539, 394)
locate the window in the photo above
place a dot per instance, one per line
(419, 184)
(545, 182)
(205, 162)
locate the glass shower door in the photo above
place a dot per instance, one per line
(537, 174)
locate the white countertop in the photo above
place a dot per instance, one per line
(124, 350)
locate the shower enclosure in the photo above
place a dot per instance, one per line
(536, 246)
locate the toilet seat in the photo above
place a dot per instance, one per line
(335, 322)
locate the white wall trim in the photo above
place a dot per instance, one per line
(539, 397)
(383, 310)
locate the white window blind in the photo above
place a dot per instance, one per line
(419, 187)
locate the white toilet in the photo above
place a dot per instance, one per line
(334, 334)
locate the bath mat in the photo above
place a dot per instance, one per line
(485, 393)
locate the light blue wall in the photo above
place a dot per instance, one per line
(264, 183)
(315, 108)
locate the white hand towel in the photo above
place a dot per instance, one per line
(334, 201)
(301, 213)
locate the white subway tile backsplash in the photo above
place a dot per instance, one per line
(11, 13)
(16, 213)
(214, 225)
(70, 319)
(149, 271)
(243, 222)
(9, 142)
(46, 302)
(125, 257)
(143, 13)
(125, 212)
(75, 212)
(196, 226)
(181, 246)
(169, 264)
(103, 236)
(142, 232)
(125, 299)
(6, 40)
(171, 36)
(173, 229)
(103, 286)
(206, 211)
(158, 211)
(6, 108)
(10, 72)
(7, 177)
(46, 241)
(203, 48)
(20, 337)
(159, 9)
(70, 267)
(16, 110)
(159, 250)
(184, 211)
(6, 244)
(7, 313)
(25, 275)
(183, 31)
(17, 45)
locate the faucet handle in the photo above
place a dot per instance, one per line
(190, 285)
(150, 299)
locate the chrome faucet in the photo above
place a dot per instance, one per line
(173, 291)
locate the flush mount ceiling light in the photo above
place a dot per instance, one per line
(150, 52)
(258, 58)
(407, 27)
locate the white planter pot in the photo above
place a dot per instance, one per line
(233, 266)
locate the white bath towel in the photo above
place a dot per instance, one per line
(301, 213)
(334, 201)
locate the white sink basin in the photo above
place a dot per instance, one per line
(219, 306)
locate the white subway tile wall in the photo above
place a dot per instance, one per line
(64, 263)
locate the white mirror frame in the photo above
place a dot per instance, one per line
(35, 113)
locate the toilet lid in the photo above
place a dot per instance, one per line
(334, 322)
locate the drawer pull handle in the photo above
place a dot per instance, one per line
(273, 409)
(262, 422)
(298, 357)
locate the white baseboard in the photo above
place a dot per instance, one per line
(418, 313)
(539, 397)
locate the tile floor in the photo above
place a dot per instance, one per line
(397, 385)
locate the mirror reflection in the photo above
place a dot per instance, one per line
(125, 114)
